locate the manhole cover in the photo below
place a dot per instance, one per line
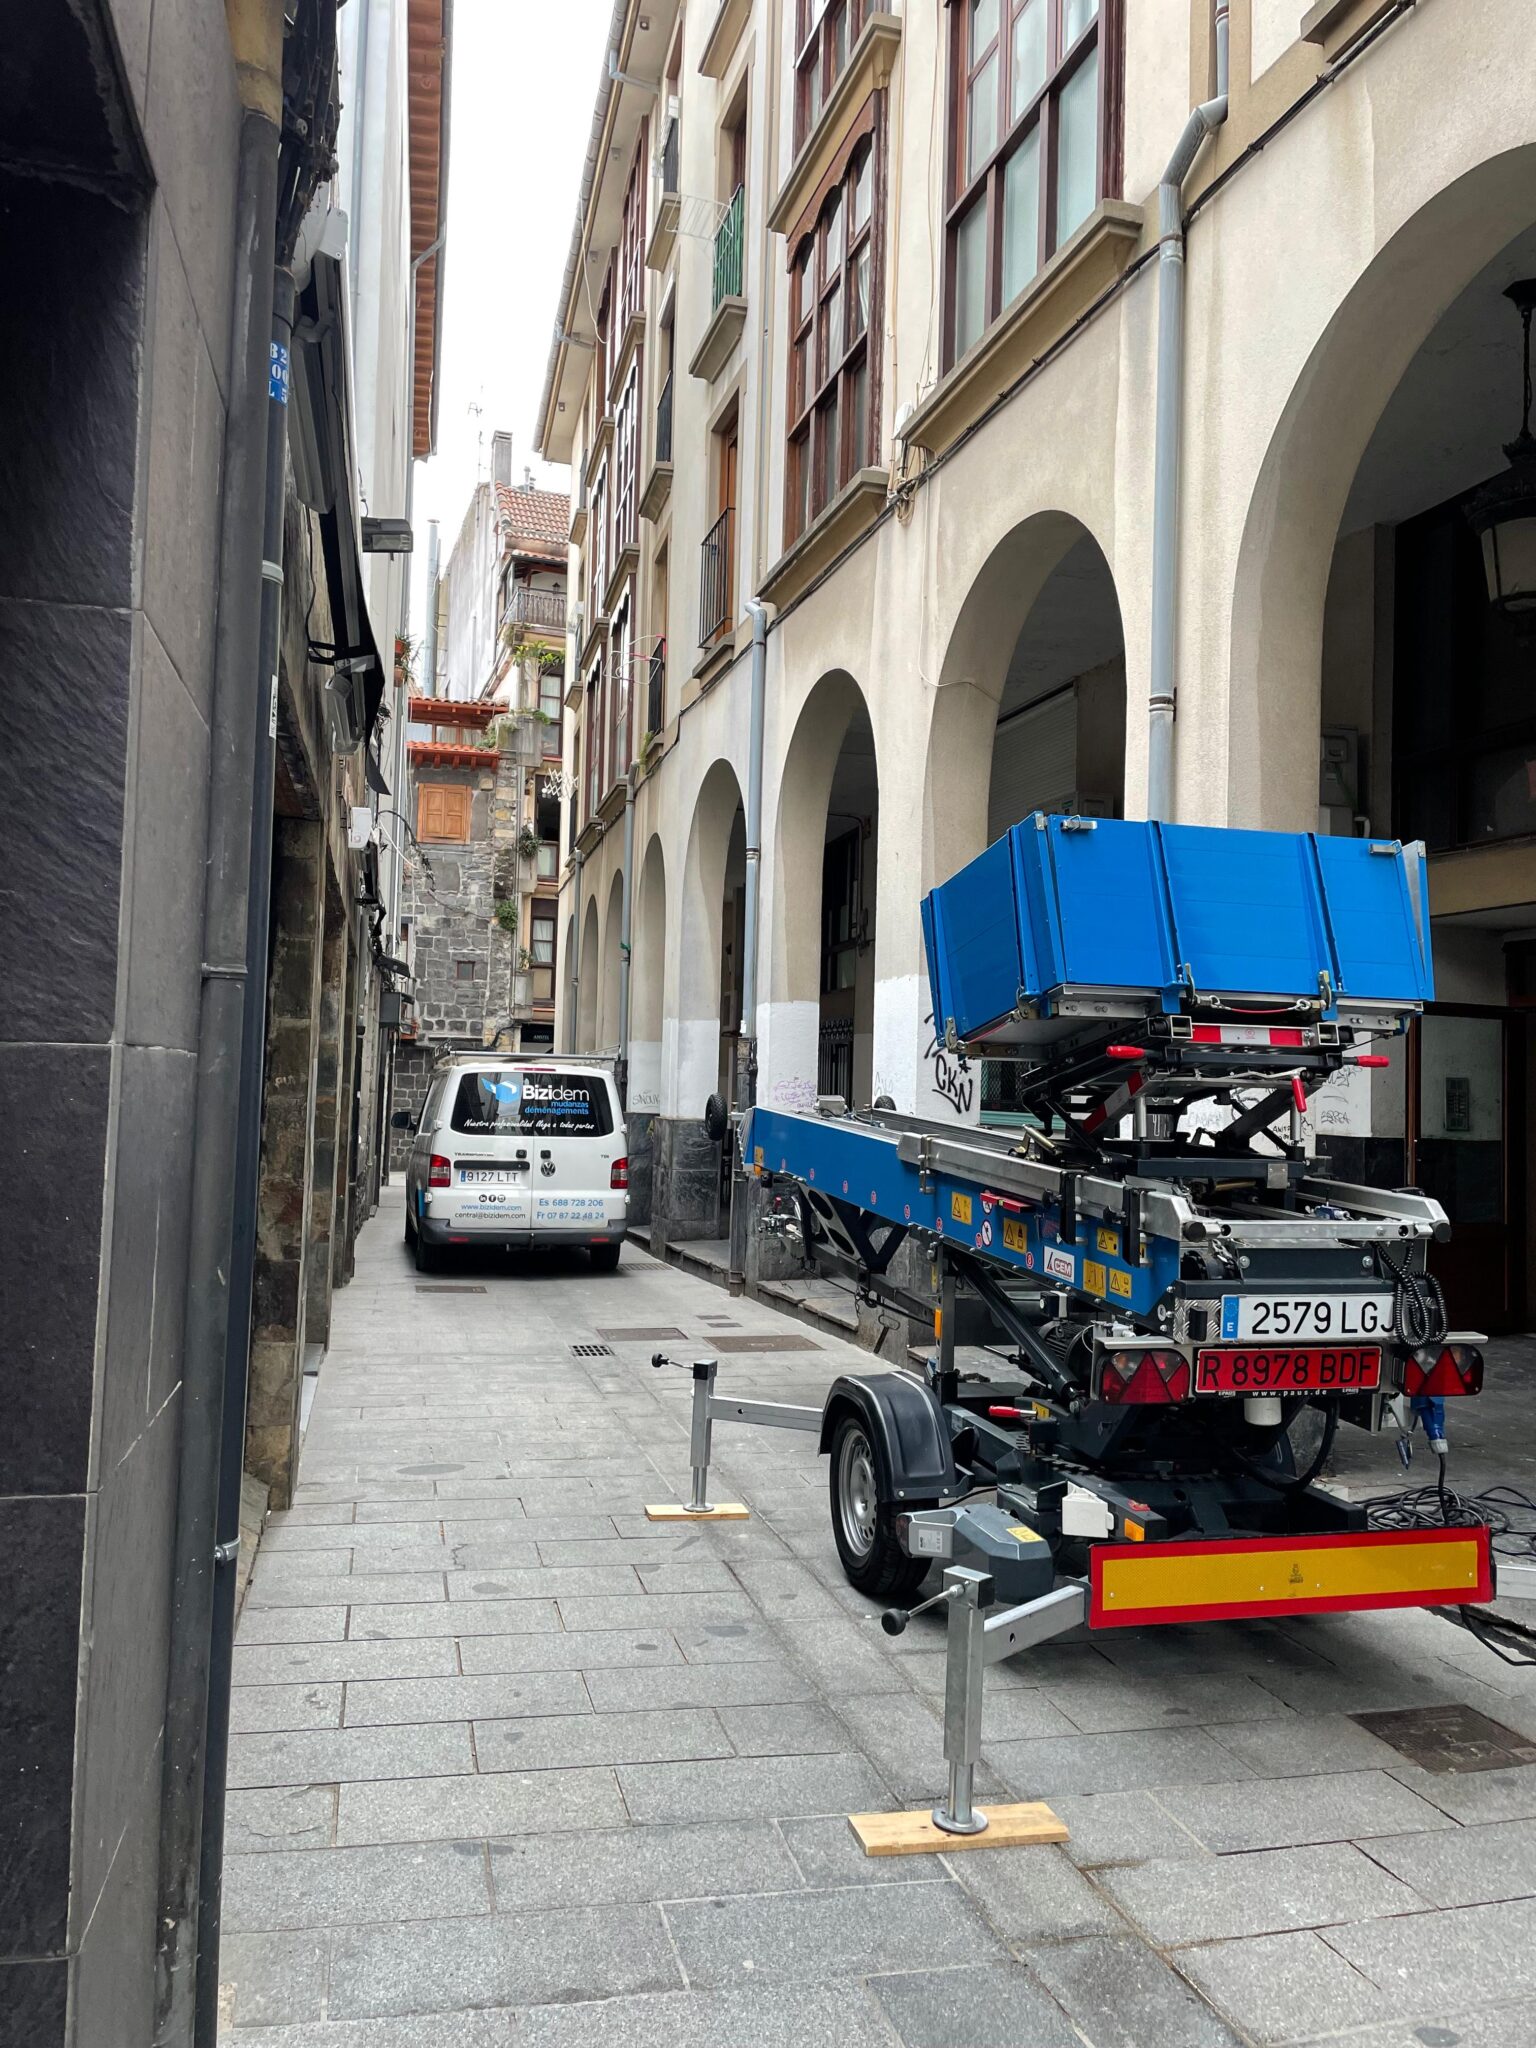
(591, 1351)
(642, 1333)
(1449, 1738)
(447, 1287)
(764, 1344)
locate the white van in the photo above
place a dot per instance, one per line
(518, 1152)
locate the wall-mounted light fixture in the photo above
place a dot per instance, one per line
(1503, 513)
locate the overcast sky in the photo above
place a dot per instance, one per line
(525, 76)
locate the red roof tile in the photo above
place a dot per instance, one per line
(537, 522)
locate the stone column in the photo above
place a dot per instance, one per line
(294, 1004)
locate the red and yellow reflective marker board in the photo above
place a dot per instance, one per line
(1134, 1586)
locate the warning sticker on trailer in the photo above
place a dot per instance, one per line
(960, 1207)
(1108, 1242)
(1120, 1283)
(1095, 1279)
(1015, 1236)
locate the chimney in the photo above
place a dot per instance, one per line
(501, 458)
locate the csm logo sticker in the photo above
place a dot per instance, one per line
(1061, 1265)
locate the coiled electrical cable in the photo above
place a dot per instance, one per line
(1421, 1313)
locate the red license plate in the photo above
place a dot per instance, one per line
(1309, 1369)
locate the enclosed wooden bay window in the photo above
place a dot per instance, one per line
(1034, 145)
(835, 279)
(826, 30)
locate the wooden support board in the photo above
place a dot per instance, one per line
(915, 1834)
(722, 1511)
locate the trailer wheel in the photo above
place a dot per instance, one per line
(863, 1525)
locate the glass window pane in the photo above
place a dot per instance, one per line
(858, 416)
(803, 278)
(802, 482)
(981, 118)
(828, 423)
(832, 230)
(1077, 163)
(863, 186)
(970, 276)
(1028, 55)
(800, 388)
(832, 331)
(839, 34)
(858, 294)
(1021, 216)
(983, 25)
(1076, 15)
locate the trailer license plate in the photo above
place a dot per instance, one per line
(1276, 1317)
(1313, 1369)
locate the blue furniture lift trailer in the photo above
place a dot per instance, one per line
(1177, 1277)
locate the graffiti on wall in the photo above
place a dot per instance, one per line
(948, 1075)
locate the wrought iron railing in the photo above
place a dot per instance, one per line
(656, 689)
(664, 422)
(728, 252)
(715, 577)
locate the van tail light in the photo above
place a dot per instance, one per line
(1136, 1378)
(440, 1173)
(619, 1178)
(1453, 1369)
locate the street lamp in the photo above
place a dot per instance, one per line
(1503, 513)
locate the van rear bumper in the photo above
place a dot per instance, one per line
(438, 1234)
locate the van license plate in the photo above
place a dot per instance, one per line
(1304, 1317)
(487, 1176)
(1310, 1369)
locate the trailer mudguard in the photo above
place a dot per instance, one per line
(906, 1426)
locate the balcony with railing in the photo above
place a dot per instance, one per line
(728, 314)
(716, 575)
(658, 484)
(539, 611)
(727, 265)
(656, 689)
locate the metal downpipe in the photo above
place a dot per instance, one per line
(573, 1026)
(241, 718)
(626, 930)
(1169, 432)
(757, 611)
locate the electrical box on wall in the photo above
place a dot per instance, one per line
(359, 827)
(1338, 781)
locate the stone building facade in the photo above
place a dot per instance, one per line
(868, 303)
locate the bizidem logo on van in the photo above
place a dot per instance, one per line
(556, 1098)
(505, 1092)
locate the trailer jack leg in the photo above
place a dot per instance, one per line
(975, 1641)
(708, 1409)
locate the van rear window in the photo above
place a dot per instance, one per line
(539, 1102)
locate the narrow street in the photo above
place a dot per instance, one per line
(512, 1765)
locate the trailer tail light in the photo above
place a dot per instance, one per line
(619, 1178)
(440, 1173)
(1453, 1369)
(1138, 1378)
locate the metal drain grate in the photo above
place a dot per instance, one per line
(447, 1287)
(591, 1351)
(642, 1333)
(1449, 1738)
(764, 1344)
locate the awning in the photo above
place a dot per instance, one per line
(321, 442)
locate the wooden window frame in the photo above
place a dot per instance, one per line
(1105, 36)
(822, 53)
(829, 383)
(626, 462)
(439, 822)
(631, 254)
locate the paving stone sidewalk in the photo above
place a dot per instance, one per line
(514, 1768)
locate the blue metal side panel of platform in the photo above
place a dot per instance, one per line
(1123, 904)
(861, 1167)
